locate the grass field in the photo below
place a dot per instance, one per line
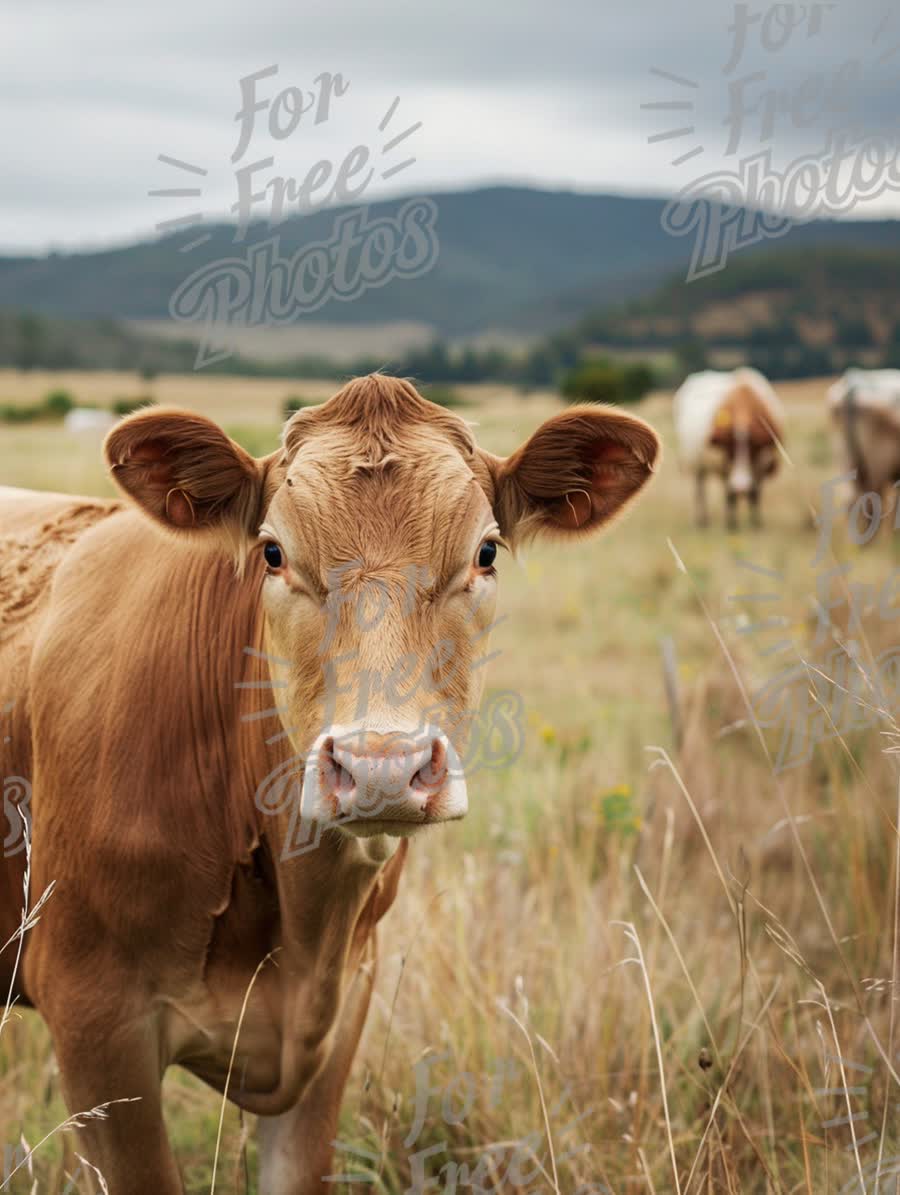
(759, 902)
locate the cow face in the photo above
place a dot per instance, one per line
(377, 534)
(750, 465)
(744, 434)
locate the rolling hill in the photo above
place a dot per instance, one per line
(510, 258)
(791, 311)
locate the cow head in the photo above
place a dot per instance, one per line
(376, 532)
(743, 431)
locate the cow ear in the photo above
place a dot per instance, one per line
(186, 473)
(575, 473)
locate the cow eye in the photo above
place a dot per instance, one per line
(487, 554)
(273, 555)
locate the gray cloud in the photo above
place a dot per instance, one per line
(92, 93)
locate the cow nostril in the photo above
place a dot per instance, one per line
(345, 782)
(434, 774)
(334, 777)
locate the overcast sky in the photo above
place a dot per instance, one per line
(93, 91)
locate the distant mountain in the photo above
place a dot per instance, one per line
(792, 312)
(510, 258)
(504, 252)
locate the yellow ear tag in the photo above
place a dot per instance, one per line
(723, 418)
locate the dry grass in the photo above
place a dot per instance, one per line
(759, 908)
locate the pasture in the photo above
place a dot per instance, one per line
(650, 950)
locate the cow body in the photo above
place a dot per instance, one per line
(729, 425)
(206, 912)
(145, 822)
(864, 405)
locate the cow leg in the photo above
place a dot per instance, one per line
(702, 513)
(99, 1063)
(731, 500)
(889, 512)
(295, 1149)
(753, 500)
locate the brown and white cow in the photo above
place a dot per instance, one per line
(159, 689)
(729, 425)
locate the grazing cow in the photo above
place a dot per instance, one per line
(729, 424)
(865, 416)
(236, 695)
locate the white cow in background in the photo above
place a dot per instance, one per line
(89, 419)
(729, 424)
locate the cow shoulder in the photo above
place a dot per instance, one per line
(135, 717)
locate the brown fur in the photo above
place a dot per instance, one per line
(30, 555)
(744, 442)
(868, 442)
(744, 412)
(158, 689)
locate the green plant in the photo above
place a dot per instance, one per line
(58, 403)
(10, 413)
(444, 396)
(292, 404)
(637, 380)
(124, 406)
(595, 381)
(602, 380)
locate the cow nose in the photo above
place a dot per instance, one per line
(381, 776)
(740, 480)
(383, 769)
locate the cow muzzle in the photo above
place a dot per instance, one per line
(740, 479)
(369, 783)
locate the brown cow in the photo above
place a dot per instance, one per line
(226, 761)
(729, 425)
(865, 420)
